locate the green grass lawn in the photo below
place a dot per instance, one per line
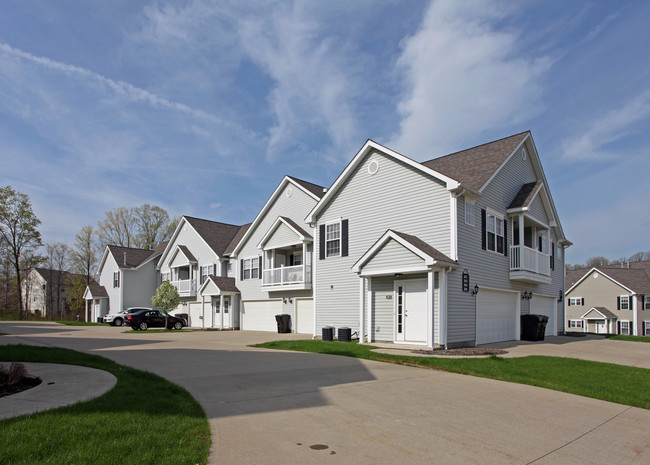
(621, 337)
(605, 381)
(144, 419)
(79, 323)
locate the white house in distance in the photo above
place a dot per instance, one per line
(127, 278)
(447, 252)
(46, 291)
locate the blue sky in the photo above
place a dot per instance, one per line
(202, 106)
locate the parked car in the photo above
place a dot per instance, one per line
(117, 319)
(151, 318)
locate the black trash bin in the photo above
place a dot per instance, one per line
(345, 334)
(533, 327)
(328, 333)
(283, 322)
(100, 319)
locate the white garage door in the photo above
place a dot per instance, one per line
(260, 315)
(305, 316)
(545, 306)
(195, 312)
(496, 316)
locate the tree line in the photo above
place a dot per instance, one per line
(22, 249)
(604, 261)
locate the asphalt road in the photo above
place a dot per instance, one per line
(271, 407)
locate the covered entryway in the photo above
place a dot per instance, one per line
(542, 305)
(217, 302)
(259, 315)
(411, 310)
(497, 316)
(305, 316)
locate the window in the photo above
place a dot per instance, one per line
(207, 271)
(625, 327)
(623, 302)
(576, 301)
(250, 268)
(333, 240)
(469, 212)
(646, 328)
(495, 233)
(646, 302)
(295, 259)
(164, 276)
(116, 279)
(575, 323)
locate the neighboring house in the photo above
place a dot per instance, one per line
(195, 262)
(609, 299)
(274, 260)
(127, 278)
(45, 292)
(403, 247)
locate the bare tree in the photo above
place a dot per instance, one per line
(118, 228)
(639, 257)
(597, 261)
(84, 255)
(153, 226)
(18, 233)
(58, 261)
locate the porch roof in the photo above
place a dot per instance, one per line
(94, 291)
(593, 312)
(216, 285)
(301, 234)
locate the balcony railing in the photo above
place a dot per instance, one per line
(524, 258)
(286, 275)
(185, 287)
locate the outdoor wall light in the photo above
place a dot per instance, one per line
(398, 275)
(476, 288)
(527, 295)
(559, 298)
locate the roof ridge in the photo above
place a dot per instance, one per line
(476, 146)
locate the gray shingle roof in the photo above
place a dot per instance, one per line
(424, 247)
(573, 276)
(296, 227)
(635, 279)
(217, 235)
(606, 313)
(318, 191)
(473, 167)
(97, 291)
(224, 284)
(237, 238)
(133, 257)
(525, 195)
(187, 253)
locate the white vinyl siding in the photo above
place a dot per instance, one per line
(383, 302)
(392, 255)
(396, 197)
(282, 236)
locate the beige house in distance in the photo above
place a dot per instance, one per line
(609, 300)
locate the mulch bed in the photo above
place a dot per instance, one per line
(462, 352)
(25, 383)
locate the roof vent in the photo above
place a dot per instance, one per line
(124, 258)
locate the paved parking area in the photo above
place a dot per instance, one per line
(271, 407)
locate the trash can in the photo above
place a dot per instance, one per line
(328, 333)
(100, 319)
(283, 323)
(345, 334)
(533, 327)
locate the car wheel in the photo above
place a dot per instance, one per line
(112, 323)
(143, 326)
(178, 325)
(117, 322)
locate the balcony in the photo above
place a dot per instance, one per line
(185, 287)
(287, 278)
(529, 265)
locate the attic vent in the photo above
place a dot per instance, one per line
(524, 153)
(288, 192)
(373, 167)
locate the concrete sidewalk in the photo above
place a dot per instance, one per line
(273, 407)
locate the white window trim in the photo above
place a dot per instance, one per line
(627, 302)
(646, 302)
(627, 323)
(646, 327)
(116, 279)
(339, 239)
(497, 216)
(575, 323)
(575, 302)
(472, 220)
(250, 268)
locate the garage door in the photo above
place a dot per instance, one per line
(260, 315)
(195, 312)
(305, 316)
(545, 306)
(496, 316)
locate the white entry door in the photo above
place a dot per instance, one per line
(221, 314)
(411, 310)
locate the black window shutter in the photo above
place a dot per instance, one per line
(241, 269)
(629, 299)
(259, 265)
(344, 238)
(552, 255)
(618, 327)
(483, 228)
(568, 302)
(321, 242)
(582, 301)
(505, 238)
(631, 328)
(618, 305)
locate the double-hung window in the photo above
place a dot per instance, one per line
(646, 302)
(624, 302)
(495, 233)
(251, 268)
(625, 328)
(116, 279)
(207, 271)
(575, 323)
(469, 212)
(576, 301)
(333, 240)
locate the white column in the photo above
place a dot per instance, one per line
(221, 310)
(370, 310)
(442, 310)
(635, 308)
(362, 308)
(430, 309)
(203, 311)
(304, 262)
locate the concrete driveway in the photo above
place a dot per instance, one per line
(270, 407)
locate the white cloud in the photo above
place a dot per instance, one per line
(615, 125)
(463, 78)
(214, 205)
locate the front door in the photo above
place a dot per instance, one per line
(226, 312)
(411, 310)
